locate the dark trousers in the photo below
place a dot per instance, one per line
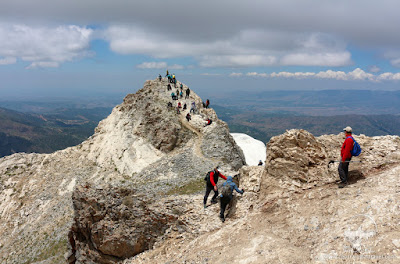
(210, 188)
(223, 202)
(344, 170)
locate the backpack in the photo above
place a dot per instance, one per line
(207, 178)
(356, 148)
(226, 190)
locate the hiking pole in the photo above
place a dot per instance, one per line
(333, 161)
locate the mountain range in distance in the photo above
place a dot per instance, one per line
(48, 125)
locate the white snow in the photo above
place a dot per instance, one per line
(254, 150)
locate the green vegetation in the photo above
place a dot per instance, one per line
(191, 187)
(54, 251)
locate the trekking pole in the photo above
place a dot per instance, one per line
(333, 161)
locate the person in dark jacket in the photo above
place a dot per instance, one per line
(345, 153)
(211, 185)
(207, 103)
(227, 198)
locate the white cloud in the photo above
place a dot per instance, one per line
(237, 61)
(388, 76)
(374, 69)
(395, 62)
(43, 64)
(318, 59)
(159, 65)
(355, 75)
(42, 45)
(256, 74)
(153, 65)
(236, 74)
(8, 60)
(359, 74)
(329, 74)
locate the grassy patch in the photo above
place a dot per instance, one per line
(191, 187)
(57, 249)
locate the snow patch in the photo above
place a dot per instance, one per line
(254, 150)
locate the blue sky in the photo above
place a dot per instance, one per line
(70, 48)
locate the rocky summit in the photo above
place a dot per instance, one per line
(132, 193)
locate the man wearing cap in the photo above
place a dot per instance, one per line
(345, 153)
(212, 180)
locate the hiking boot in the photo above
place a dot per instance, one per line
(214, 201)
(205, 206)
(342, 184)
(222, 219)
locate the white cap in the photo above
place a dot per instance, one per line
(348, 129)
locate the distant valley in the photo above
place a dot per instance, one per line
(47, 126)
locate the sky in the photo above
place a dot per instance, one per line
(99, 47)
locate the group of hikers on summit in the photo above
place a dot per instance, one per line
(178, 94)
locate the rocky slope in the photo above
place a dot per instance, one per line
(143, 144)
(132, 193)
(293, 211)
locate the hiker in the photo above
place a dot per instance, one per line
(209, 121)
(169, 105)
(181, 86)
(184, 106)
(173, 96)
(177, 110)
(169, 88)
(167, 74)
(345, 153)
(211, 184)
(187, 93)
(207, 103)
(260, 163)
(179, 105)
(226, 195)
(181, 94)
(188, 117)
(193, 107)
(159, 77)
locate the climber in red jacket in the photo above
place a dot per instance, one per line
(211, 184)
(345, 153)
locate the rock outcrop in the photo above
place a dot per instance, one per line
(111, 224)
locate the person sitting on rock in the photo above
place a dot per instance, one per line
(169, 88)
(169, 105)
(173, 96)
(159, 77)
(184, 106)
(209, 121)
(227, 195)
(179, 105)
(188, 117)
(211, 185)
(260, 163)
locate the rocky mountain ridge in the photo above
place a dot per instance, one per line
(143, 144)
(108, 199)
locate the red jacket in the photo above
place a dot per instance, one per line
(212, 177)
(346, 148)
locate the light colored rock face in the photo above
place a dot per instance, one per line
(142, 143)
